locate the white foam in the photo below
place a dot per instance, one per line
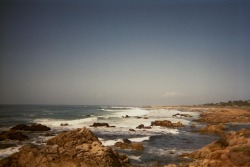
(132, 112)
(136, 158)
(109, 142)
(8, 151)
(71, 123)
(139, 139)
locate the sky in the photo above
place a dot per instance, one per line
(124, 52)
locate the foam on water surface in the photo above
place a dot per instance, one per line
(8, 151)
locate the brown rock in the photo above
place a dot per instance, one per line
(97, 124)
(141, 126)
(31, 127)
(12, 135)
(77, 148)
(232, 149)
(130, 145)
(213, 129)
(166, 123)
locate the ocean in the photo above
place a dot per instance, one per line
(161, 144)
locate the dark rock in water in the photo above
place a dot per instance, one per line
(132, 130)
(64, 124)
(141, 126)
(12, 135)
(166, 123)
(79, 148)
(126, 141)
(32, 127)
(3, 146)
(96, 124)
(126, 116)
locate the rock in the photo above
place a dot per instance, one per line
(141, 126)
(127, 141)
(181, 115)
(213, 129)
(64, 124)
(166, 123)
(126, 116)
(96, 124)
(76, 148)
(31, 127)
(232, 149)
(12, 135)
(130, 145)
(132, 130)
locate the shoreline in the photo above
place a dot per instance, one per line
(214, 117)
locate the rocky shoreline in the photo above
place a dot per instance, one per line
(81, 147)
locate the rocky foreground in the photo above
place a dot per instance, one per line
(81, 148)
(231, 150)
(76, 148)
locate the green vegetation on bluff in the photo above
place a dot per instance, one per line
(239, 103)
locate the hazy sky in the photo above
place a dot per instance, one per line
(124, 52)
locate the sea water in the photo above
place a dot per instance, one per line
(161, 144)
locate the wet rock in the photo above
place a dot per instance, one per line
(166, 123)
(130, 145)
(132, 130)
(141, 126)
(12, 135)
(31, 127)
(126, 116)
(79, 147)
(64, 124)
(127, 141)
(96, 124)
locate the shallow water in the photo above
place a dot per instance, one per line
(161, 145)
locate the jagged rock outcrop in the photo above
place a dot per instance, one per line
(231, 150)
(77, 148)
(167, 123)
(31, 127)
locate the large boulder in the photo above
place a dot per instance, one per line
(77, 148)
(31, 127)
(12, 135)
(166, 123)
